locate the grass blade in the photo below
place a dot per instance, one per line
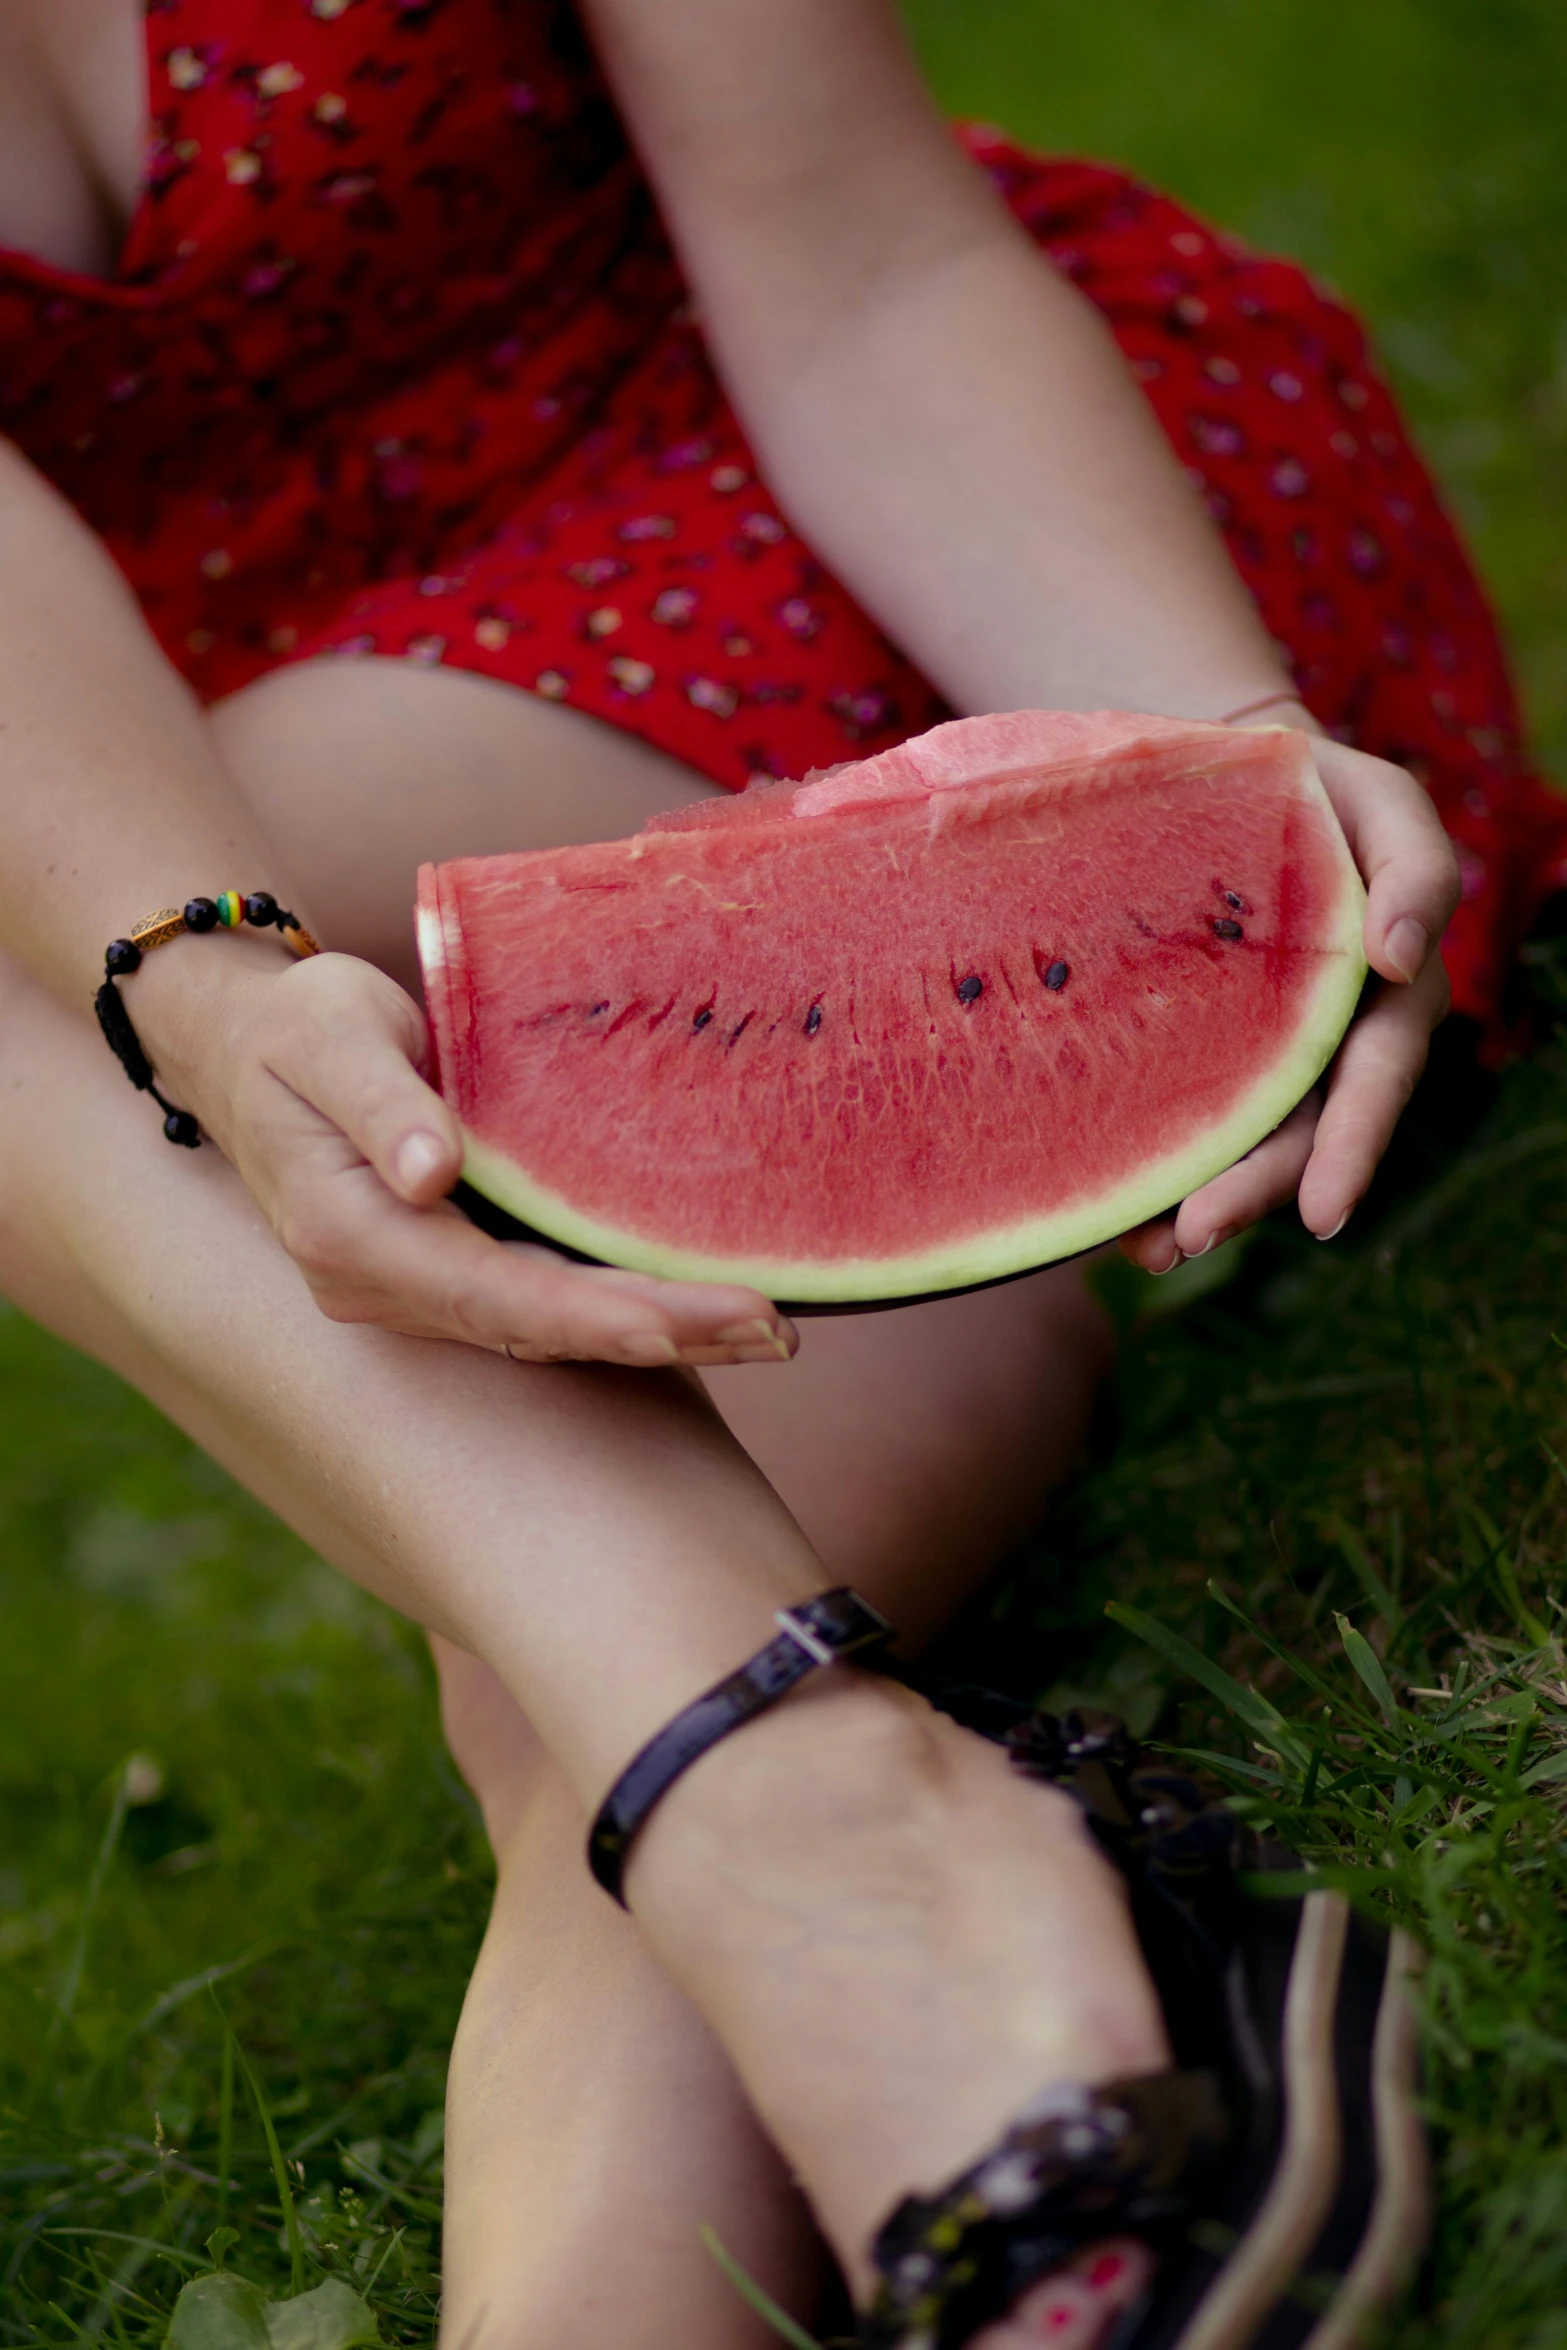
(1359, 1559)
(296, 2242)
(1258, 1715)
(76, 1964)
(749, 2290)
(225, 2121)
(1368, 1665)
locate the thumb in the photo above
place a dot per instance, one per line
(356, 1068)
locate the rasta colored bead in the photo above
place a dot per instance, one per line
(122, 956)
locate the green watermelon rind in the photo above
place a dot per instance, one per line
(993, 1255)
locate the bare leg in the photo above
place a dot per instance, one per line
(596, 1538)
(593, 2122)
(599, 1540)
(911, 1447)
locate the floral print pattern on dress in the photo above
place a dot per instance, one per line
(397, 362)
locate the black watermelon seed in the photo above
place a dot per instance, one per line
(703, 1016)
(595, 1009)
(971, 989)
(1228, 930)
(813, 1019)
(1057, 976)
(1232, 899)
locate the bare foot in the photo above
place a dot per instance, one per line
(900, 1942)
(1073, 2309)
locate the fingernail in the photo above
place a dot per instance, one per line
(1159, 1271)
(1106, 2269)
(651, 1347)
(714, 1357)
(753, 1333)
(1215, 1240)
(1407, 945)
(418, 1157)
(1338, 1227)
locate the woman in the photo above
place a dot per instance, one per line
(379, 351)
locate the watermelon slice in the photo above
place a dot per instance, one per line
(910, 1025)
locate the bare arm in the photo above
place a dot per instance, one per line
(950, 424)
(114, 801)
(944, 417)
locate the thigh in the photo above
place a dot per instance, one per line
(359, 771)
(914, 1446)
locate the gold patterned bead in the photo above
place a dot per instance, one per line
(156, 930)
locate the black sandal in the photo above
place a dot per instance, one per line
(1278, 2168)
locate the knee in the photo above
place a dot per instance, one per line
(495, 1747)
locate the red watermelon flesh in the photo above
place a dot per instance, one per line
(915, 1023)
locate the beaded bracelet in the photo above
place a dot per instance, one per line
(123, 956)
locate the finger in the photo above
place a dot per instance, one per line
(1262, 1180)
(436, 1275)
(1266, 1177)
(430, 1273)
(350, 1056)
(1152, 1246)
(1377, 1068)
(1407, 861)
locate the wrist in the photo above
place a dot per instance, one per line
(185, 1000)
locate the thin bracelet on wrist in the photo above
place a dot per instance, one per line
(124, 955)
(1267, 702)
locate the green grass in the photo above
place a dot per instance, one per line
(1410, 151)
(1374, 1431)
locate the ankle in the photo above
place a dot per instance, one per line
(845, 1754)
(855, 1791)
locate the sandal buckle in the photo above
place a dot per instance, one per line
(838, 1624)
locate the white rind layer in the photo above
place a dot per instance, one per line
(975, 1257)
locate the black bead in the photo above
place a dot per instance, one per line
(179, 1126)
(201, 914)
(120, 1036)
(261, 909)
(122, 957)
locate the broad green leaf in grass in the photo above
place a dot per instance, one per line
(1547, 1773)
(749, 2290)
(223, 2312)
(219, 2312)
(1265, 1722)
(1368, 1665)
(331, 2318)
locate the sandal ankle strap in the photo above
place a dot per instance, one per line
(820, 1631)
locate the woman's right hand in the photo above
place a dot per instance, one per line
(307, 1077)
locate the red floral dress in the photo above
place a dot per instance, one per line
(396, 360)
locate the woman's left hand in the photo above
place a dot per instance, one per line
(1327, 1150)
